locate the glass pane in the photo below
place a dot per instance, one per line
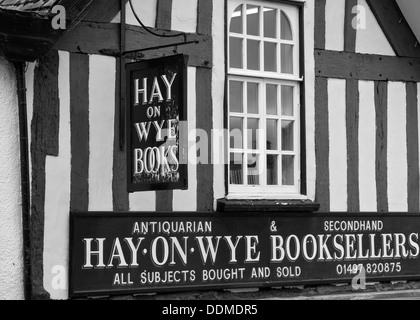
(236, 24)
(236, 168)
(286, 58)
(286, 29)
(271, 99)
(287, 101)
(253, 52)
(253, 98)
(272, 135)
(272, 170)
(253, 134)
(236, 132)
(288, 172)
(253, 20)
(253, 170)
(236, 96)
(270, 23)
(270, 56)
(287, 135)
(235, 51)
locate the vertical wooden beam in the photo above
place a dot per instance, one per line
(204, 19)
(352, 128)
(320, 6)
(79, 124)
(164, 199)
(352, 115)
(164, 14)
(413, 148)
(381, 107)
(205, 191)
(119, 174)
(44, 133)
(122, 60)
(322, 145)
(349, 31)
(205, 179)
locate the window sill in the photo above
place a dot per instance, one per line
(226, 205)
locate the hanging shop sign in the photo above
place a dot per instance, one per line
(114, 254)
(157, 110)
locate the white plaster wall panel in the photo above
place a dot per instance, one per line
(184, 15)
(334, 25)
(338, 144)
(57, 195)
(370, 37)
(145, 10)
(310, 97)
(11, 266)
(101, 131)
(397, 148)
(143, 201)
(218, 83)
(187, 200)
(367, 147)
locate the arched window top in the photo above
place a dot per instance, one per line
(236, 22)
(263, 37)
(258, 20)
(286, 27)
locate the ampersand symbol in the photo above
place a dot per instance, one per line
(273, 227)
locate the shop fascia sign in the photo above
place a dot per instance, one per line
(151, 252)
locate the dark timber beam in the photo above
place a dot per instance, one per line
(381, 170)
(103, 11)
(352, 115)
(165, 198)
(164, 14)
(345, 65)
(349, 31)
(322, 144)
(396, 28)
(75, 9)
(45, 128)
(204, 111)
(79, 124)
(104, 39)
(320, 24)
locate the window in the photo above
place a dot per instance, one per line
(264, 99)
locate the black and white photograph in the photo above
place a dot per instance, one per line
(209, 158)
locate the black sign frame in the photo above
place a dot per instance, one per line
(151, 68)
(305, 222)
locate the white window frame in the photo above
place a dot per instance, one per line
(264, 191)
